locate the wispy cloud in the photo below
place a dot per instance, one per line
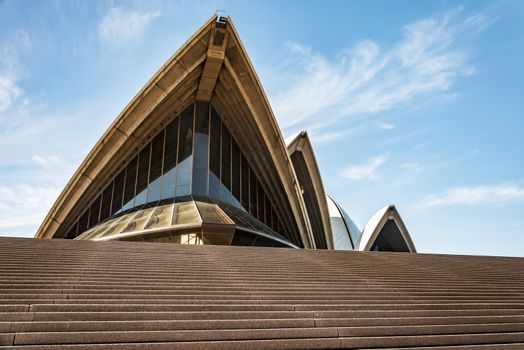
(330, 136)
(10, 91)
(24, 204)
(385, 126)
(367, 79)
(471, 195)
(366, 170)
(29, 182)
(120, 25)
(49, 160)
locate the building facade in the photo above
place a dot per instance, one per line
(197, 157)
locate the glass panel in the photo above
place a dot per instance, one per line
(115, 226)
(97, 231)
(214, 156)
(191, 238)
(168, 184)
(139, 221)
(170, 154)
(245, 182)
(118, 192)
(235, 173)
(267, 215)
(73, 231)
(153, 191)
(225, 192)
(261, 241)
(201, 149)
(94, 212)
(211, 214)
(243, 238)
(274, 220)
(183, 179)
(129, 192)
(155, 170)
(260, 202)
(83, 221)
(161, 217)
(143, 174)
(185, 147)
(91, 232)
(246, 221)
(252, 193)
(106, 202)
(185, 213)
(200, 182)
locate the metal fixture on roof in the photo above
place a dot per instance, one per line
(221, 18)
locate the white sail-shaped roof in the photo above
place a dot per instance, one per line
(386, 231)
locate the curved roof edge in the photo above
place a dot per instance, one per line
(178, 82)
(377, 222)
(352, 230)
(302, 144)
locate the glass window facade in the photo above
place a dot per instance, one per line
(194, 157)
(390, 239)
(215, 222)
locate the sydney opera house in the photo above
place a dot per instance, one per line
(197, 160)
(197, 157)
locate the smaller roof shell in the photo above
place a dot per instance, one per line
(377, 222)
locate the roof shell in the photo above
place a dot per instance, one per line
(301, 147)
(237, 93)
(377, 222)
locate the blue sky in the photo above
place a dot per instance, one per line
(419, 104)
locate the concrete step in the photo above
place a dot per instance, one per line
(64, 294)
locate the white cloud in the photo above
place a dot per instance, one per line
(23, 207)
(495, 194)
(9, 92)
(330, 136)
(367, 78)
(24, 203)
(366, 170)
(121, 24)
(10, 51)
(385, 126)
(49, 160)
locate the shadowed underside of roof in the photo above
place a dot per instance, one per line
(66, 294)
(312, 188)
(386, 231)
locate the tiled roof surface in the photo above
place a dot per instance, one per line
(64, 294)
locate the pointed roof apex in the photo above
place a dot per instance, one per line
(375, 226)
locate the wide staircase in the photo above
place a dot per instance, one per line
(64, 294)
